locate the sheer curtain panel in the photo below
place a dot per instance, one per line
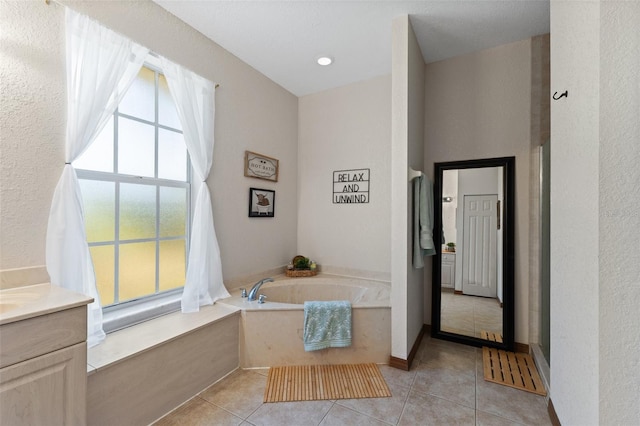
(100, 67)
(195, 101)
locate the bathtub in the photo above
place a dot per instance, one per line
(271, 333)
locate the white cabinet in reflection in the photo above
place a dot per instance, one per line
(448, 276)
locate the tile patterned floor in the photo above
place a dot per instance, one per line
(444, 387)
(469, 315)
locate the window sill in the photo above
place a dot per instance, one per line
(136, 313)
(129, 342)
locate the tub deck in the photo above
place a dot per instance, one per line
(271, 334)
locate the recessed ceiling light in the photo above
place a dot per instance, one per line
(324, 61)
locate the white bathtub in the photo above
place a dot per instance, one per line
(271, 333)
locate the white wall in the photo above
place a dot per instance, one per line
(574, 212)
(595, 289)
(340, 129)
(619, 204)
(407, 126)
(479, 106)
(252, 113)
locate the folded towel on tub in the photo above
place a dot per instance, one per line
(327, 325)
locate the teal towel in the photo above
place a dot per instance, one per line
(327, 325)
(422, 220)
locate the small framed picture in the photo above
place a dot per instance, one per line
(260, 166)
(262, 202)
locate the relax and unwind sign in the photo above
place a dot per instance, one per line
(351, 186)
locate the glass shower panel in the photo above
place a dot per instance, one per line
(545, 270)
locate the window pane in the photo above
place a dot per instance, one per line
(137, 211)
(137, 275)
(173, 211)
(99, 155)
(140, 98)
(172, 155)
(99, 200)
(136, 148)
(172, 264)
(104, 266)
(167, 113)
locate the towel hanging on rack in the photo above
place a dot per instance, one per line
(422, 220)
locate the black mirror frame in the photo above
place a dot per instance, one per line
(508, 227)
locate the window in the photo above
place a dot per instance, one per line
(136, 191)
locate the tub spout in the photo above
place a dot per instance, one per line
(256, 287)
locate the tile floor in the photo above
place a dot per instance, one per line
(444, 387)
(469, 315)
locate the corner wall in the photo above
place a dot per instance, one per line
(574, 248)
(341, 129)
(595, 284)
(252, 113)
(619, 205)
(407, 138)
(479, 106)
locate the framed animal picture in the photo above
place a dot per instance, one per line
(262, 202)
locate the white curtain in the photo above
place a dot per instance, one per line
(195, 101)
(100, 67)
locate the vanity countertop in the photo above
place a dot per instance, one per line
(26, 302)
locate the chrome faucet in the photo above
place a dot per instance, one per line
(256, 288)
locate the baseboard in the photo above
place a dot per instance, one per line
(405, 364)
(399, 363)
(458, 292)
(521, 347)
(553, 416)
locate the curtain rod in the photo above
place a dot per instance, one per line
(48, 2)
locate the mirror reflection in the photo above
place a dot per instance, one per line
(472, 250)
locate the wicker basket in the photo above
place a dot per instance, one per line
(301, 272)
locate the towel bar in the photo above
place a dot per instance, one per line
(414, 174)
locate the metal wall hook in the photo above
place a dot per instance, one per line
(562, 95)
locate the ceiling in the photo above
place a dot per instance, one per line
(283, 39)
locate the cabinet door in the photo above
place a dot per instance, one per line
(448, 270)
(47, 390)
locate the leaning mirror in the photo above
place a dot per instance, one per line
(473, 271)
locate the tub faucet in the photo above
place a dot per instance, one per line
(256, 287)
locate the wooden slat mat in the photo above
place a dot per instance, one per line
(315, 382)
(516, 370)
(491, 336)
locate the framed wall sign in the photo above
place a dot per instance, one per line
(260, 166)
(262, 202)
(351, 186)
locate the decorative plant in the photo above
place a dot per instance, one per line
(301, 263)
(451, 246)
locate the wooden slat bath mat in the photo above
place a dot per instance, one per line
(491, 336)
(516, 370)
(315, 382)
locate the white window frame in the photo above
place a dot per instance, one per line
(124, 314)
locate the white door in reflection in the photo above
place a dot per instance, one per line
(479, 254)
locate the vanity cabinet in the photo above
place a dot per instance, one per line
(448, 275)
(43, 364)
(47, 390)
